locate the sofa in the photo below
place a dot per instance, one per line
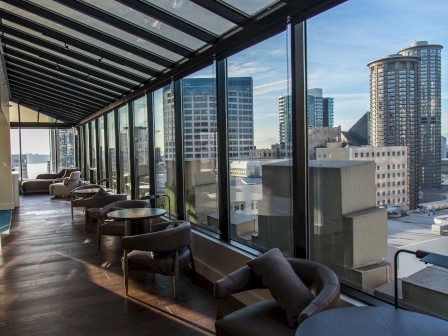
(42, 182)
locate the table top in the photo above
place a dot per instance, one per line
(136, 213)
(372, 321)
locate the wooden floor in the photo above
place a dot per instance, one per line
(53, 281)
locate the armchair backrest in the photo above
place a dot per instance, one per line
(99, 202)
(73, 180)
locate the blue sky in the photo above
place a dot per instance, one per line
(341, 42)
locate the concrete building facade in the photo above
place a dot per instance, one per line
(390, 175)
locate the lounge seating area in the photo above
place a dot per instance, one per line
(246, 189)
(42, 182)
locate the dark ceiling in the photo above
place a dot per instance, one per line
(70, 59)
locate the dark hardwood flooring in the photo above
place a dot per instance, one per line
(54, 281)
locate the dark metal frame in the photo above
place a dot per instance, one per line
(223, 147)
(179, 149)
(131, 142)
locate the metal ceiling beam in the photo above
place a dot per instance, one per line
(69, 64)
(39, 88)
(222, 10)
(84, 29)
(33, 76)
(170, 19)
(72, 41)
(50, 111)
(63, 88)
(71, 53)
(48, 98)
(78, 78)
(134, 29)
(261, 27)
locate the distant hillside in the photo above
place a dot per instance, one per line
(37, 158)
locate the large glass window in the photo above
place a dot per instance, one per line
(102, 149)
(87, 151)
(93, 152)
(200, 148)
(35, 153)
(363, 208)
(165, 142)
(123, 141)
(112, 157)
(141, 152)
(260, 166)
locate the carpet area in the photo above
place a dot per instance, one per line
(5, 220)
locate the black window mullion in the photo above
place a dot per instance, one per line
(131, 143)
(179, 148)
(223, 149)
(106, 150)
(151, 143)
(301, 223)
(117, 151)
(98, 163)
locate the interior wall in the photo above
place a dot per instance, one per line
(6, 194)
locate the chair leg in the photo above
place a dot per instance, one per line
(193, 268)
(99, 241)
(72, 211)
(176, 273)
(125, 271)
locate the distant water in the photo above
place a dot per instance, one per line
(35, 169)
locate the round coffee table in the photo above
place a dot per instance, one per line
(372, 321)
(130, 215)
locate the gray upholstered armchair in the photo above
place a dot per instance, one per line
(66, 185)
(266, 317)
(166, 250)
(93, 204)
(75, 201)
(110, 227)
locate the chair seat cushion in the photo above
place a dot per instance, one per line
(161, 262)
(264, 318)
(112, 228)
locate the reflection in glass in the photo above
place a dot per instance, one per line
(260, 166)
(200, 148)
(141, 153)
(165, 156)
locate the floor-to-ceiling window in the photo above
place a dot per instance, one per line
(102, 149)
(141, 152)
(112, 157)
(259, 143)
(374, 105)
(93, 152)
(35, 152)
(123, 141)
(87, 151)
(164, 143)
(200, 148)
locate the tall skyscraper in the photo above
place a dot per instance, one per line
(320, 110)
(429, 110)
(327, 112)
(200, 119)
(284, 118)
(405, 109)
(394, 111)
